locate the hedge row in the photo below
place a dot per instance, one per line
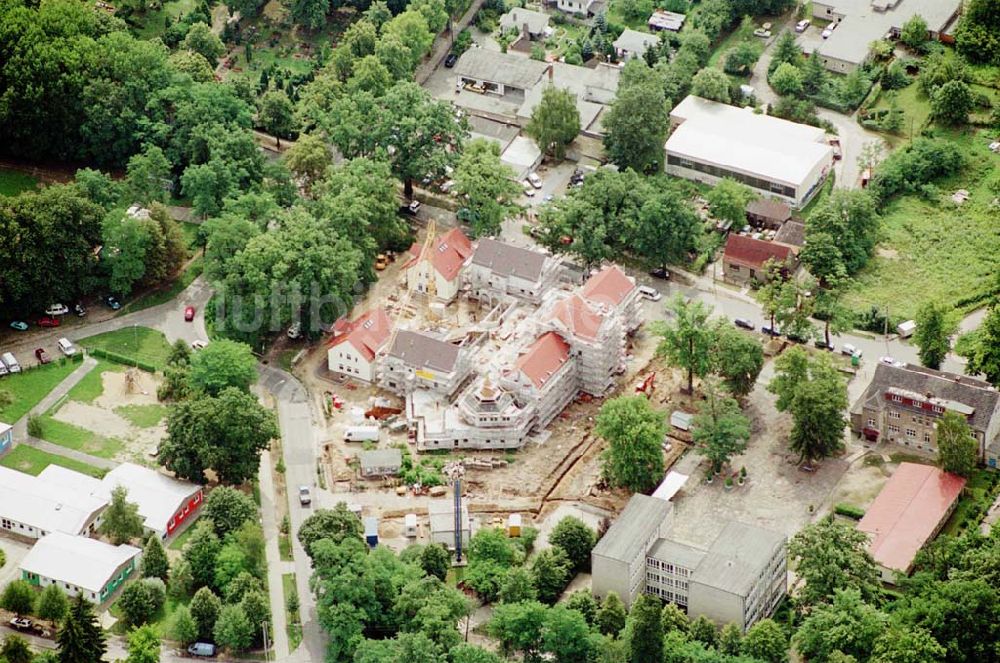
(849, 511)
(122, 359)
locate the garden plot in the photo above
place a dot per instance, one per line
(124, 422)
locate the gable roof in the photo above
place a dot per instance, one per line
(754, 252)
(367, 334)
(77, 560)
(792, 233)
(544, 358)
(448, 253)
(635, 42)
(505, 68)
(907, 513)
(577, 317)
(46, 505)
(610, 286)
(518, 17)
(508, 260)
(423, 351)
(982, 397)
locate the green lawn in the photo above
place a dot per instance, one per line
(979, 495)
(91, 386)
(142, 416)
(915, 105)
(32, 461)
(79, 439)
(153, 21)
(31, 386)
(161, 620)
(142, 343)
(950, 252)
(182, 538)
(168, 292)
(190, 232)
(13, 182)
(284, 547)
(293, 621)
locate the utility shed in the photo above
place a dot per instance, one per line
(911, 509)
(380, 462)
(79, 565)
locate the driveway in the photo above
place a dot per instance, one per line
(14, 551)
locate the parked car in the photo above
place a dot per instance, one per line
(548, 198)
(887, 360)
(651, 294)
(743, 323)
(112, 302)
(850, 350)
(827, 31)
(528, 191)
(295, 331)
(450, 61)
(47, 321)
(305, 499)
(10, 361)
(381, 262)
(802, 25)
(79, 310)
(188, 313)
(21, 624)
(768, 331)
(795, 338)
(57, 309)
(66, 347)
(823, 345)
(42, 356)
(3, 370)
(660, 273)
(198, 344)
(411, 208)
(762, 33)
(201, 649)
(535, 180)
(19, 325)
(447, 186)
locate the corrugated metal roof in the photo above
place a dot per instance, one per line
(380, 458)
(907, 512)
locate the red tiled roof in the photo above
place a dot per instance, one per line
(907, 513)
(544, 358)
(448, 253)
(754, 253)
(367, 334)
(577, 317)
(609, 286)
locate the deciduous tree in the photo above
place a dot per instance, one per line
(552, 571)
(907, 645)
(335, 524)
(831, 556)
(121, 521)
(435, 560)
(154, 559)
(933, 334)
(221, 364)
(720, 430)
(566, 635)
(18, 597)
(711, 83)
(787, 79)
(644, 632)
(143, 645)
(576, 539)
(276, 115)
(737, 358)
(636, 126)
(53, 604)
(848, 625)
(634, 432)
(766, 641)
(233, 630)
(487, 186)
(981, 348)
(686, 340)
(952, 103)
(205, 608)
(914, 33)
(203, 41)
(15, 649)
(958, 450)
(728, 200)
(183, 628)
(610, 619)
(228, 508)
(555, 121)
(813, 392)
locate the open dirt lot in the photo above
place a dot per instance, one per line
(103, 416)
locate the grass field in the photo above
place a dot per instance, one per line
(293, 621)
(31, 386)
(182, 538)
(142, 343)
(165, 294)
(142, 416)
(285, 547)
(13, 182)
(32, 461)
(950, 252)
(153, 22)
(978, 490)
(91, 386)
(79, 439)
(915, 105)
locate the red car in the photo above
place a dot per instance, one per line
(42, 356)
(189, 314)
(48, 321)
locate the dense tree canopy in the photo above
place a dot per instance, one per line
(555, 121)
(636, 126)
(634, 431)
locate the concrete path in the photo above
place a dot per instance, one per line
(275, 568)
(21, 425)
(443, 44)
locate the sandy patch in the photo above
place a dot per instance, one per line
(95, 419)
(115, 394)
(889, 254)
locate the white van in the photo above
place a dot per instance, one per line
(10, 362)
(652, 294)
(66, 347)
(361, 434)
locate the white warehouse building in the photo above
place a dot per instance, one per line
(779, 159)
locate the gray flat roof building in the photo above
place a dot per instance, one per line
(380, 462)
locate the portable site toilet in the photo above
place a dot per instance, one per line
(410, 526)
(514, 525)
(371, 531)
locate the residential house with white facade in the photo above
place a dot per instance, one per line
(437, 273)
(355, 344)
